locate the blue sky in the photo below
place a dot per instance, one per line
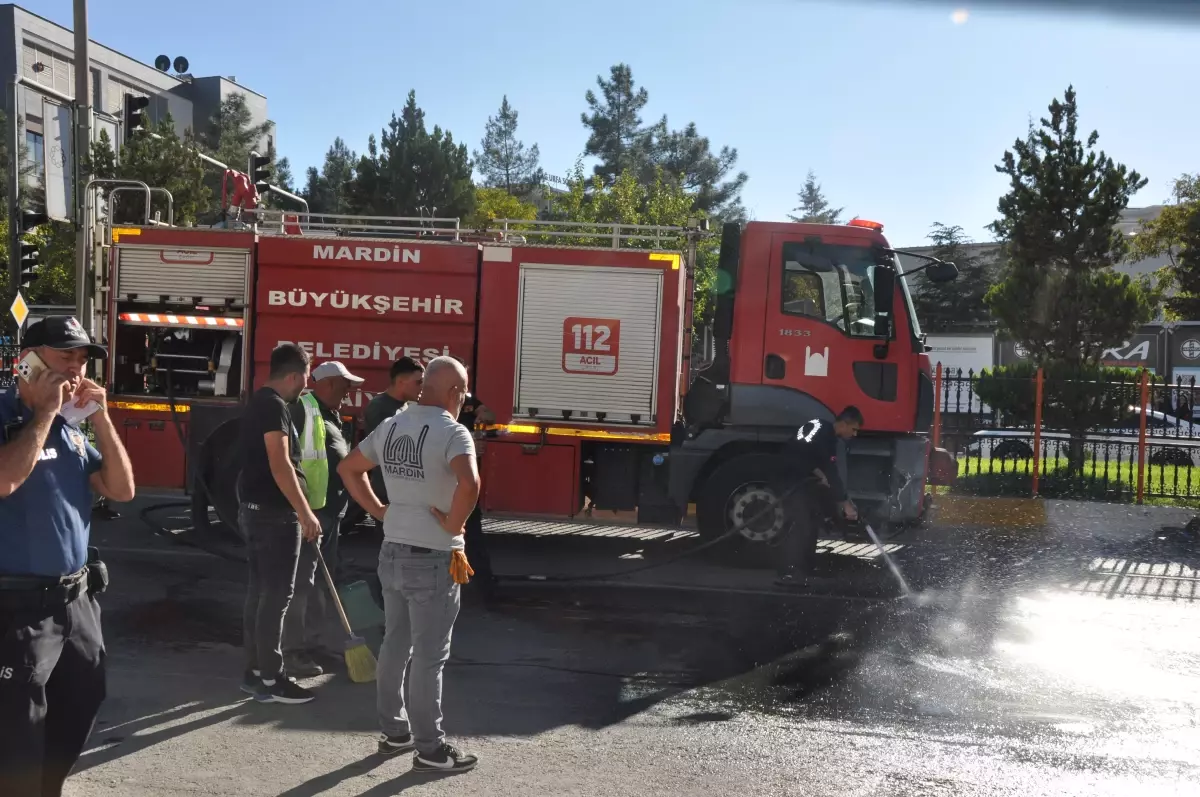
(901, 111)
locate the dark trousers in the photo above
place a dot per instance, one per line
(807, 507)
(311, 605)
(51, 686)
(477, 552)
(273, 542)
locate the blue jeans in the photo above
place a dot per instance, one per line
(420, 605)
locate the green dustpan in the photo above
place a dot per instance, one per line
(361, 609)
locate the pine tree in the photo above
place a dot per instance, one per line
(943, 305)
(814, 208)
(503, 160)
(618, 137)
(686, 157)
(328, 190)
(1060, 297)
(413, 171)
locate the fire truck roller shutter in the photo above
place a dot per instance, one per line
(214, 276)
(576, 319)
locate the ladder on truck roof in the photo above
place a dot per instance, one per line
(605, 235)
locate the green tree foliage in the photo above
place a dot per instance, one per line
(1073, 397)
(328, 190)
(686, 157)
(1168, 235)
(618, 137)
(630, 201)
(1164, 235)
(814, 208)
(412, 171)
(231, 134)
(1185, 303)
(497, 203)
(1059, 296)
(56, 279)
(503, 160)
(942, 306)
(622, 142)
(163, 160)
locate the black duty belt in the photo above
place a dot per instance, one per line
(33, 592)
(404, 546)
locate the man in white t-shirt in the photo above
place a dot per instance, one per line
(432, 481)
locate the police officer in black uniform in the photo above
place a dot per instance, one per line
(813, 489)
(52, 651)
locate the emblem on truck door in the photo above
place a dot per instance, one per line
(591, 345)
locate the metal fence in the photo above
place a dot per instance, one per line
(1063, 437)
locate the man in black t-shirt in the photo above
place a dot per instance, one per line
(812, 487)
(276, 519)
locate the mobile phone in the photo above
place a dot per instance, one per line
(29, 366)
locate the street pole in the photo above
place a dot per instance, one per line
(83, 143)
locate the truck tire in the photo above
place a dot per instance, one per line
(738, 491)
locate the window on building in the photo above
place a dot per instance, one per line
(49, 69)
(35, 148)
(832, 283)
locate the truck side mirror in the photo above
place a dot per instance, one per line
(942, 272)
(885, 296)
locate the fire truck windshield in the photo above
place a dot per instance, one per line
(835, 284)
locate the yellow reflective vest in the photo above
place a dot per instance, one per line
(313, 460)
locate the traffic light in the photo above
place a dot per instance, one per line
(31, 219)
(135, 115)
(30, 265)
(260, 171)
(29, 255)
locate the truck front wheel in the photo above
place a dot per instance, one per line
(738, 495)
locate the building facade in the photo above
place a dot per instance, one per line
(41, 54)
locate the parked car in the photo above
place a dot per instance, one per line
(1184, 435)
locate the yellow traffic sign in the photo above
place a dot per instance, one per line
(19, 310)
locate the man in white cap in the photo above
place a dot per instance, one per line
(323, 447)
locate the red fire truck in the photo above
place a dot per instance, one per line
(578, 338)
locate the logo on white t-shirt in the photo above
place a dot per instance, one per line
(404, 457)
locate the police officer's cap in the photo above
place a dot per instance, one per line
(61, 332)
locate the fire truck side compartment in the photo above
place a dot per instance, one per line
(179, 303)
(532, 479)
(355, 301)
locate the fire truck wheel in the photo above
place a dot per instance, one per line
(737, 494)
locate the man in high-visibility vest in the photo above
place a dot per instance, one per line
(322, 448)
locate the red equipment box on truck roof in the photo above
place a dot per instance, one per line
(365, 302)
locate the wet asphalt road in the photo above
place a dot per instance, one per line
(1026, 664)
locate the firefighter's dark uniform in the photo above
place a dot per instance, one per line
(52, 678)
(477, 552)
(807, 502)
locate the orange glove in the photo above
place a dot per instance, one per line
(460, 568)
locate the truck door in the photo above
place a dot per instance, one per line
(819, 334)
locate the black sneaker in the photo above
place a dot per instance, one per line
(301, 665)
(395, 745)
(283, 690)
(446, 758)
(251, 682)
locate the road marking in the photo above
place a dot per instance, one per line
(187, 554)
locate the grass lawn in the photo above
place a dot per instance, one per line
(1114, 480)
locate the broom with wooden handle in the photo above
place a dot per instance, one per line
(360, 662)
